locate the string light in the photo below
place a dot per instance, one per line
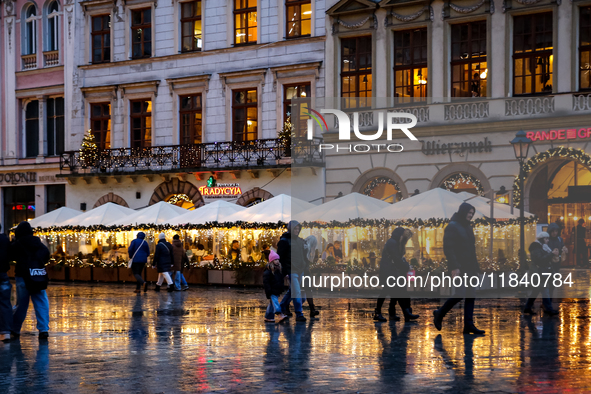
(455, 180)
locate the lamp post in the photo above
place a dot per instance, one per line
(521, 146)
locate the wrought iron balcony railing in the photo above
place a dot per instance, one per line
(266, 153)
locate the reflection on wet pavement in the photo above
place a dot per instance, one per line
(105, 338)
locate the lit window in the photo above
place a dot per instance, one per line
(298, 18)
(245, 21)
(191, 26)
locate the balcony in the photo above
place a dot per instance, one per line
(29, 61)
(51, 58)
(216, 156)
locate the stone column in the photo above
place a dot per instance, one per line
(39, 200)
(562, 75)
(42, 129)
(497, 49)
(10, 151)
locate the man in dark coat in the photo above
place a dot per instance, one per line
(163, 262)
(291, 249)
(541, 262)
(5, 290)
(180, 260)
(393, 263)
(459, 246)
(139, 251)
(26, 246)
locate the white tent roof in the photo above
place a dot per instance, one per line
(279, 208)
(350, 206)
(435, 203)
(219, 211)
(500, 211)
(103, 214)
(55, 218)
(159, 213)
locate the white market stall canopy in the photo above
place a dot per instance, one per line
(101, 215)
(500, 210)
(55, 218)
(219, 211)
(276, 209)
(433, 204)
(343, 209)
(159, 213)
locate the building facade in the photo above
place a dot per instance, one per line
(34, 53)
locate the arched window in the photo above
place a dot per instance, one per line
(52, 37)
(383, 188)
(463, 182)
(30, 43)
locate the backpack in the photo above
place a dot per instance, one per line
(35, 274)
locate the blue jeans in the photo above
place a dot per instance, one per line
(273, 308)
(294, 284)
(179, 279)
(546, 300)
(5, 306)
(40, 303)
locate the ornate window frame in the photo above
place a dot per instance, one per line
(198, 84)
(94, 8)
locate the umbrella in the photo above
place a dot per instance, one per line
(55, 218)
(342, 209)
(159, 213)
(219, 211)
(433, 204)
(103, 214)
(276, 209)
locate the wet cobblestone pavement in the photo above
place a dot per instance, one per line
(106, 339)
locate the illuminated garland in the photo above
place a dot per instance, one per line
(175, 199)
(569, 153)
(461, 177)
(368, 191)
(414, 223)
(164, 227)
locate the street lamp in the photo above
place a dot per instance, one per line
(521, 146)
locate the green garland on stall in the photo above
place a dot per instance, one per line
(163, 227)
(561, 151)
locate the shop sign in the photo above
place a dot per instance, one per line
(561, 134)
(14, 178)
(21, 207)
(222, 190)
(459, 148)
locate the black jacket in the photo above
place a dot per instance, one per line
(273, 283)
(292, 254)
(459, 243)
(163, 256)
(541, 261)
(26, 246)
(4, 250)
(393, 262)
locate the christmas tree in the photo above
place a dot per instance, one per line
(285, 136)
(88, 150)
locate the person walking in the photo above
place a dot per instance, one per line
(28, 250)
(556, 242)
(393, 263)
(310, 243)
(459, 247)
(291, 251)
(139, 250)
(581, 245)
(273, 283)
(541, 262)
(163, 262)
(180, 260)
(5, 289)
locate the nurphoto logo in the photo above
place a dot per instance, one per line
(344, 126)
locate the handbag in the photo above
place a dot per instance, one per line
(131, 259)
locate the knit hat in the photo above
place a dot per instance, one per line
(543, 234)
(162, 236)
(273, 256)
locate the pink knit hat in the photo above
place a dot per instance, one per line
(273, 256)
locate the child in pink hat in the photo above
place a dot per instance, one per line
(273, 282)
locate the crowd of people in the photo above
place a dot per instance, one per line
(283, 272)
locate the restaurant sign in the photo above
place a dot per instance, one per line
(459, 148)
(561, 134)
(221, 190)
(15, 178)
